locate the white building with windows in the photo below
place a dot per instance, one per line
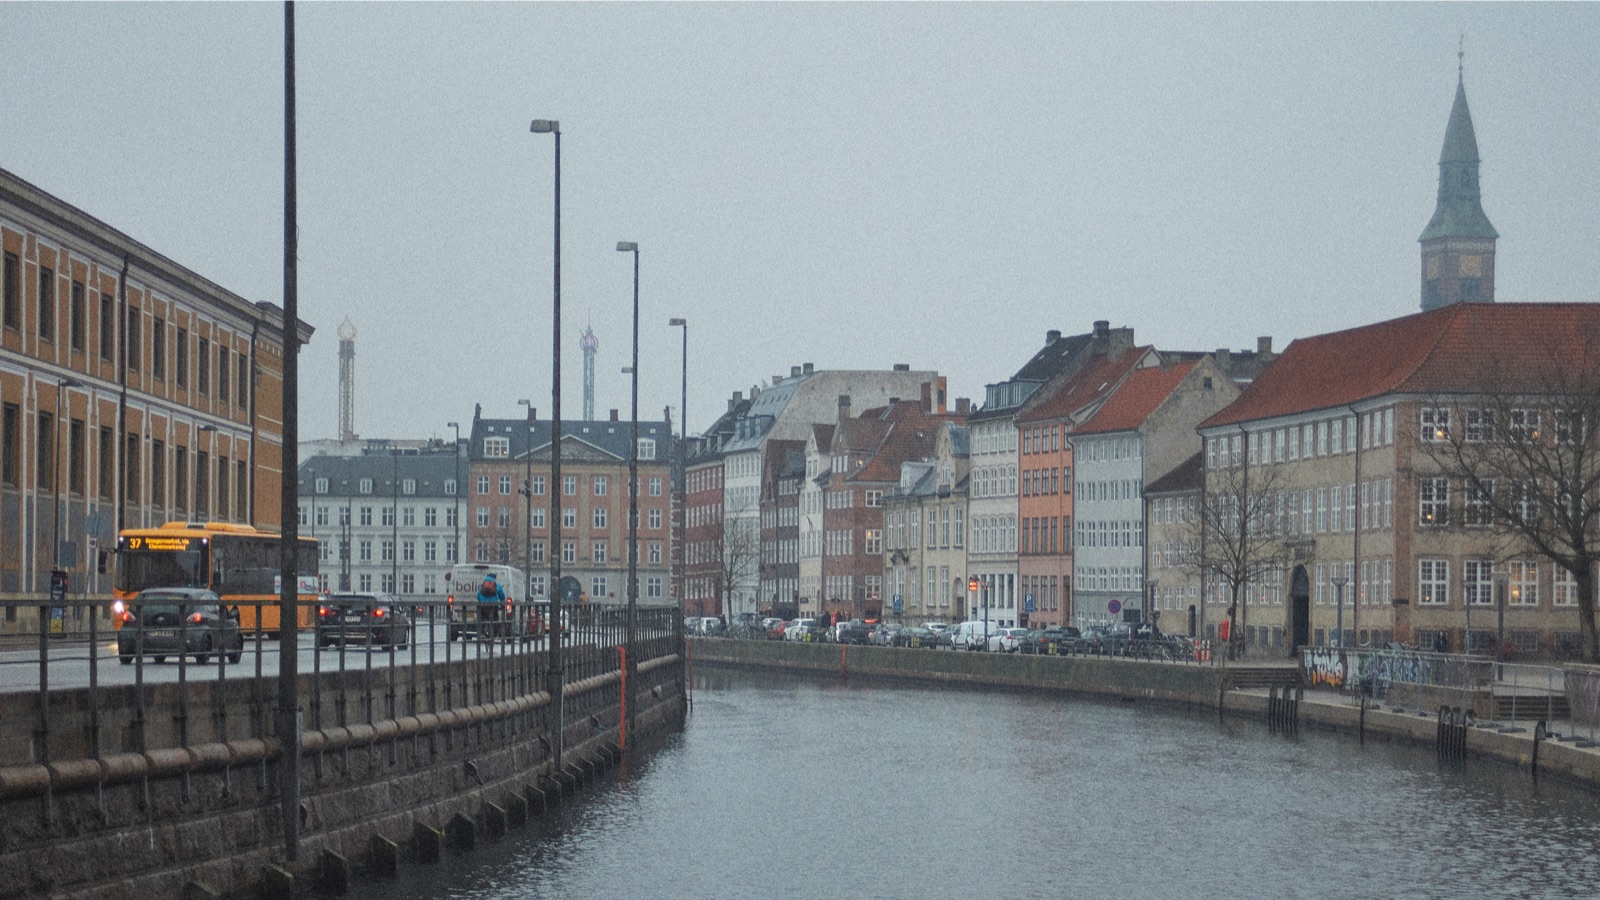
(389, 519)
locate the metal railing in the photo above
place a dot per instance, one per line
(1510, 692)
(422, 666)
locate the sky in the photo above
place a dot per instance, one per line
(852, 185)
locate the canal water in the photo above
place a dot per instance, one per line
(781, 788)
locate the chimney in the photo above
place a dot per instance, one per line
(963, 406)
(902, 367)
(844, 407)
(1264, 345)
(533, 415)
(738, 398)
(1102, 328)
(613, 415)
(927, 397)
(808, 368)
(1120, 339)
(1051, 336)
(794, 371)
(1225, 360)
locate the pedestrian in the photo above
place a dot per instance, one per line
(1440, 644)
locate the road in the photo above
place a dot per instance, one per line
(70, 663)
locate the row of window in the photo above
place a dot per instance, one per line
(1110, 534)
(498, 550)
(599, 485)
(430, 550)
(946, 528)
(501, 517)
(408, 486)
(1478, 583)
(1045, 534)
(1044, 482)
(1483, 426)
(327, 514)
(229, 478)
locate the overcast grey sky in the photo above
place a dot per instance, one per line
(853, 185)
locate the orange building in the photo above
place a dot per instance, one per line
(134, 391)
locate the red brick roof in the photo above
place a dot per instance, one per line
(1136, 398)
(1461, 347)
(1061, 397)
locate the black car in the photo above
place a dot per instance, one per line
(916, 636)
(371, 619)
(180, 622)
(1056, 640)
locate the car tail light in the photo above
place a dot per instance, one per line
(324, 611)
(377, 614)
(196, 618)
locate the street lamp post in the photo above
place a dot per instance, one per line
(1502, 583)
(633, 479)
(555, 683)
(1150, 613)
(55, 472)
(683, 473)
(527, 512)
(457, 499)
(1339, 581)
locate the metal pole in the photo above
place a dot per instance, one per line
(1501, 583)
(555, 683)
(1338, 593)
(633, 493)
(457, 499)
(288, 725)
(683, 472)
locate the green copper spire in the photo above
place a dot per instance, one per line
(1459, 213)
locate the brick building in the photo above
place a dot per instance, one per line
(134, 391)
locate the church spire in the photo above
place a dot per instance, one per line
(1458, 244)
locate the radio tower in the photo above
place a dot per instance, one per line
(590, 344)
(347, 381)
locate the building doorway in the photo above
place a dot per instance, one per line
(1299, 610)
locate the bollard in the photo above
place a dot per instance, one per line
(494, 821)
(383, 857)
(1539, 734)
(333, 873)
(427, 844)
(461, 833)
(276, 883)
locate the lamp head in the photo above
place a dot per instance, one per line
(545, 126)
(674, 323)
(627, 246)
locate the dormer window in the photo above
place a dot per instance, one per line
(496, 447)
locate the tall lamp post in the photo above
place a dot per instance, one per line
(55, 471)
(633, 478)
(1339, 581)
(555, 684)
(1502, 583)
(457, 517)
(527, 513)
(683, 471)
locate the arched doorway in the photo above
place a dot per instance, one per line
(1299, 609)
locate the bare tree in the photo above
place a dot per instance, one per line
(738, 556)
(1525, 447)
(1238, 534)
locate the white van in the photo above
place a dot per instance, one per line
(972, 635)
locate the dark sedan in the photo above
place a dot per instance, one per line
(1057, 640)
(917, 637)
(180, 622)
(371, 619)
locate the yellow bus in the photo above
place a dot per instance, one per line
(237, 562)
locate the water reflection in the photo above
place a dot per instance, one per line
(785, 789)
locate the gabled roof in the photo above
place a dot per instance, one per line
(1188, 475)
(1139, 395)
(1461, 348)
(1067, 395)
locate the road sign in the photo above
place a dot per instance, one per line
(1027, 603)
(1114, 607)
(898, 604)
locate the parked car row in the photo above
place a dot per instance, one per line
(1118, 639)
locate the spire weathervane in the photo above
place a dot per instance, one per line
(1461, 58)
